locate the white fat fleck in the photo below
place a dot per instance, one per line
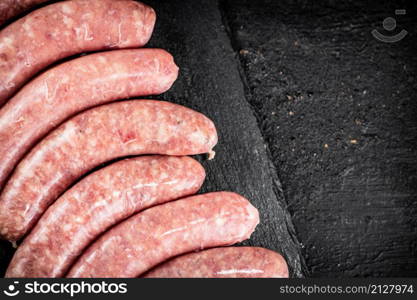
(67, 9)
(9, 81)
(154, 184)
(26, 26)
(175, 181)
(65, 79)
(79, 219)
(50, 95)
(98, 204)
(7, 41)
(109, 242)
(197, 221)
(102, 59)
(75, 194)
(119, 28)
(220, 221)
(198, 137)
(86, 16)
(239, 271)
(138, 23)
(47, 187)
(116, 76)
(142, 185)
(174, 230)
(87, 36)
(78, 32)
(116, 194)
(157, 65)
(33, 208)
(130, 141)
(164, 81)
(67, 227)
(66, 134)
(29, 167)
(41, 235)
(68, 21)
(27, 207)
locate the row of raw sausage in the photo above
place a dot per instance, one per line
(99, 201)
(93, 137)
(129, 205)
(75, 86)
(67, 28)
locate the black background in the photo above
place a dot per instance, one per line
(317, 124)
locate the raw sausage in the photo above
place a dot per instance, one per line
(227, 262)
(97, 202)
(74, 86)
(12, 8)
(159, 233)
(67, 28)
(91, 138)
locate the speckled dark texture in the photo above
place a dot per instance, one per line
(338, 110)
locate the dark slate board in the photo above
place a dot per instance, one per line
(338, 111)
(210, 83)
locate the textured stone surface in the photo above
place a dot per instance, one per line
(338, 110)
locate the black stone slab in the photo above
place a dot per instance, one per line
(338, 110)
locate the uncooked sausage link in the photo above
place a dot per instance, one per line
(91, 138)
(96, 203)
(75, 86)
(66, 28)
(226, 262)
(159, 233)
(12, 8)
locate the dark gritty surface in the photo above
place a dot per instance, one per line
(338, 111)
(209, 82)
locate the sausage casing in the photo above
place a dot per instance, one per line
(74, 86)
(97, 202)
(164, 231)
(226, 262)
(93, 137)
(67, 28)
